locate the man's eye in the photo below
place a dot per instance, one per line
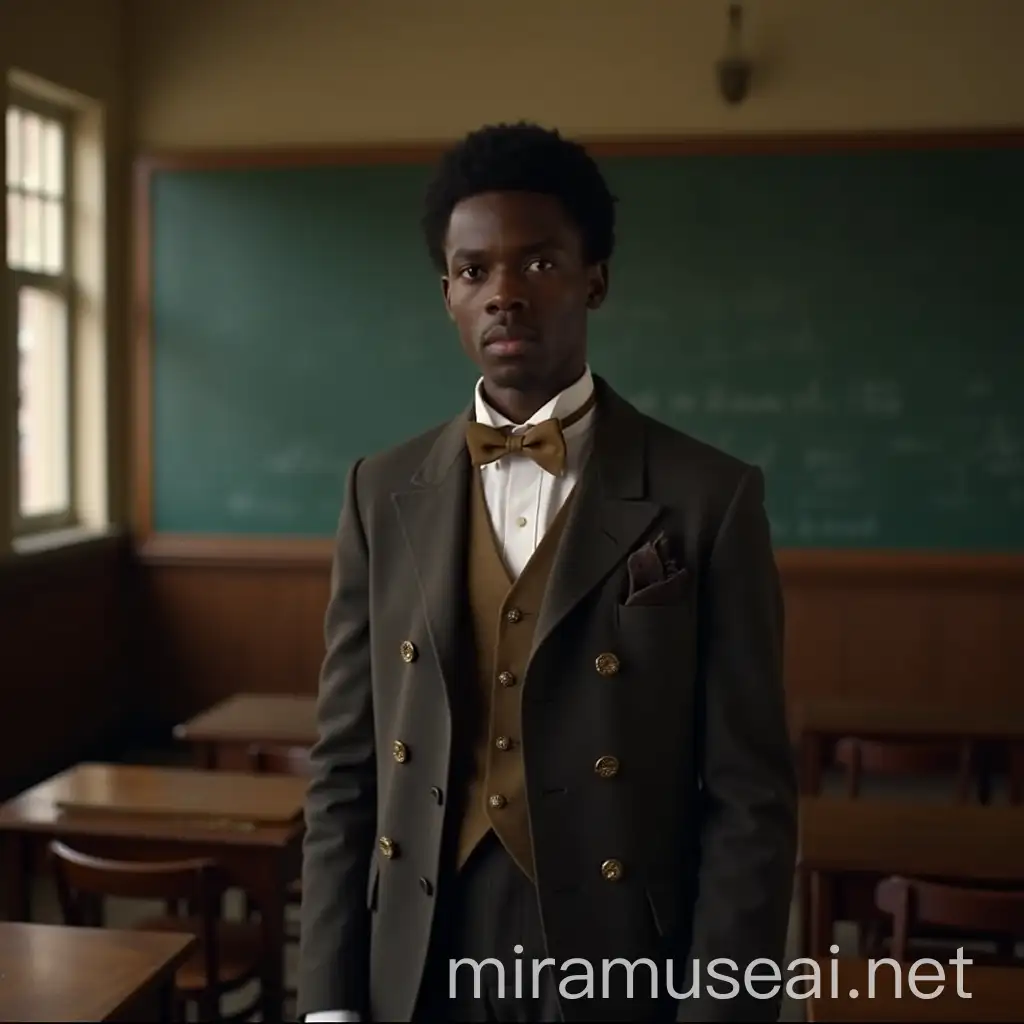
(539, 264)
(470, 273)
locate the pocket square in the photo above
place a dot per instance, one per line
(649, 568)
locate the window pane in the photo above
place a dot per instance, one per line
(43, 412)
(53, 236)
(32, 233)
(32, 140)
(15, 228)
(53, 158)
(13, 145)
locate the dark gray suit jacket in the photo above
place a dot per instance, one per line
(702, 814)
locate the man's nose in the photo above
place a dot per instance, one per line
(508, 293)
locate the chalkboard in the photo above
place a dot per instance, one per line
(850, 321)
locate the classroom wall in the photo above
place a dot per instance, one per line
(255, 73)
(64, 628)
(262, 72)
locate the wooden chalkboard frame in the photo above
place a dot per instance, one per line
(298, 553)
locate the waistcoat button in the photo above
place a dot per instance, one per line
(408, 651)
(513, 615)
(506, 679)
(607, 767)
(497, 801)
(606, 664)
(387, 847)
(503, 743)
(400, 751)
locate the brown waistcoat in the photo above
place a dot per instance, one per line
(504, 614)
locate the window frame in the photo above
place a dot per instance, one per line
(62, 286)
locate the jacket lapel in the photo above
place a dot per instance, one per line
(433, 517)
(610, 511)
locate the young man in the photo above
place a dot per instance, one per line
(551, 713)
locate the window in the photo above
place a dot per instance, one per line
(39, 244)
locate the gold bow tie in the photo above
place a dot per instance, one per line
(543, 443)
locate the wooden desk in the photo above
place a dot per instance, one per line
(134, 812)
(870, 839)
(223, 734)
(817, 724)
(997, 994)
(50, 972)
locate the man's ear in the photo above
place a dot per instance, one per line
(446, 292)
(597, 285)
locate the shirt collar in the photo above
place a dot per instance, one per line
(564, 404)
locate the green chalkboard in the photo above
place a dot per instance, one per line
(852, 322)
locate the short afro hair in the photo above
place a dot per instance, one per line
(522, 157)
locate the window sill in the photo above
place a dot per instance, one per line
(55, 543)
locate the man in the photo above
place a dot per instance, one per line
(551, 713)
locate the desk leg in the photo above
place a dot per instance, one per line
(271, 899)
(812, 756)
(822, 913)
(16, 858)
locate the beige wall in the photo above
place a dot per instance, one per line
(254, 72)
(80, 46)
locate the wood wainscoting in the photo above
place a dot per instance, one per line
(68, 638)
(247, 615)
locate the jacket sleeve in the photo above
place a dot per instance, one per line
(341, 802)
(749, 793)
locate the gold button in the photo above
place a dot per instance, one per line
(497, 801)
(503, 743)
(521, 521)
(607, 767)
(506, 679)
(408, 650)
(387, 847)
(513, 615)
(611, 870)
(606, 664)
(400, 751)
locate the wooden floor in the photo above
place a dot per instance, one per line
(122, 912)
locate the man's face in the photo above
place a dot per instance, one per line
(518, 289)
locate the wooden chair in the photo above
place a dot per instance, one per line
(969, 913)
(229, 954)
(906, 759)
(896, 759)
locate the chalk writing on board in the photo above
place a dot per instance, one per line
(300, 459)
(811, 400)
(244, 505)
(645, 401)
(876, 398)
(1002, 452)
(816, 459)
(910, 445)
(723, 401)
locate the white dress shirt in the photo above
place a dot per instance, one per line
(523, 500)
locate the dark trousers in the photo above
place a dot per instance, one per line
(486, 911)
